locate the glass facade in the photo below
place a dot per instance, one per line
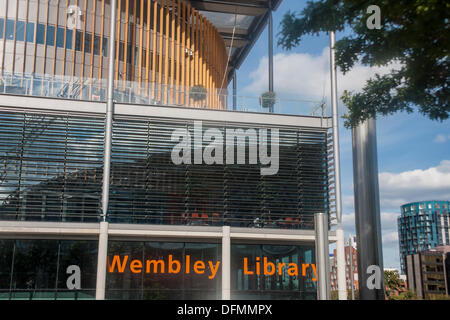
(37, 269)
(170, 271)
(50, 34)
(53, 172)
(273, 272)
(154, 270)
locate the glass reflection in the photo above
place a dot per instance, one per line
(168, 271)
(36, 269)
(272, 272)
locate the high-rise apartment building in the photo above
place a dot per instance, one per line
(422, 226)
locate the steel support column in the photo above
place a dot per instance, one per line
(367, 212)
(101, 261)
(103, 237)
(322, 256)
(226, 263)
(340, 246)
(270, 32)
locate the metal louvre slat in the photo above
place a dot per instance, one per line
(43, 154)
(51, 170)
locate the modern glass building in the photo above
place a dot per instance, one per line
(170, 224)
(422, 226)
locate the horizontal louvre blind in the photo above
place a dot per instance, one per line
(51, 167)
(51, 170)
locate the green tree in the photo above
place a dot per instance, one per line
(414, 34)
(407, 295)
(392, 280)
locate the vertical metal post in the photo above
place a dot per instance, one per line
(226, 263)
(340, 246)
(109, 115)
(270, 27)
(101, 261)
(367, 212)
(103, 236)
(322, 256)
(234, 90)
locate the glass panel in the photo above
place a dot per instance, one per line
(272, 272)
(2, 22)
(163, 270)
(69, 39)
(121, 51)
(9, 29)
(35, 265)
(50, 35)
(30, 32)
(82, 254)
(40, 269)
(20, 30)
(60, 37)
(105, 47)
(6, 257)
(96, 45)
(78, 41)
(87, 43)
(40, 36)
(129, 56)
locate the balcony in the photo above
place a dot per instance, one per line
(153, 94)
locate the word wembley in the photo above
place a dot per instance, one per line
(213, 153)
(260, 266)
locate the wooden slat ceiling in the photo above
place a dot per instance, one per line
(253, 14)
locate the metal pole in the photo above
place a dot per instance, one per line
(234, 90)
(340, 246)
(109, 114)
(322, 256)
(226, 263)
(103, 236)
(102, 259)
(367, 212)
(270, 52)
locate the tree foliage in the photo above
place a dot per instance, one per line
(414, 35)
(392, 280)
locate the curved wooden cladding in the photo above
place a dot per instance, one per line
(165, 46)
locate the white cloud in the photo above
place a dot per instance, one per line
(390, 238)
(397, 189)
(441, 138)
(308, 76)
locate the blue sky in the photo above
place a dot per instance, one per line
(413, 151)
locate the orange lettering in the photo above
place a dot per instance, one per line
(315, 272)
(293, 269)
(304, 267)
(280, 268)
(258, 266)
(246, 271)
(199, 267)
(213, 269)
(155, 264)
(116, 260)
(188, 263)
(136, 266)
(171, 263)
(272, 267)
